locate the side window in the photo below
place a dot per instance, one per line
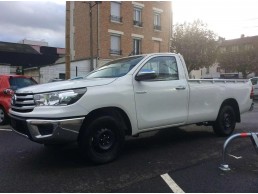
(165, 68)
(254, 81)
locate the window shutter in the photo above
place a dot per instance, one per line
(115, 9)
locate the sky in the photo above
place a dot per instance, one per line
(45, 20)
(227, 18)
(33, 20)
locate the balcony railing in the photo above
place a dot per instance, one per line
(137, 23)
(116, 18)
(157, 27)
(115, 52)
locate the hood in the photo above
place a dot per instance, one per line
(66, 85)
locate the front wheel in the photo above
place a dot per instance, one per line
(102, 140)
(226, 121)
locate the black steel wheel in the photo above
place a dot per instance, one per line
(226, 121)
(102, 140)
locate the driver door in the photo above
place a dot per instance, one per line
(162, 101)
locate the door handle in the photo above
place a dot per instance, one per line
(141, 92)
(180, 88)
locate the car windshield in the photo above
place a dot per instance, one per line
(21, 82)
(116, 68)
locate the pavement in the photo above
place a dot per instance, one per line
(184, 159)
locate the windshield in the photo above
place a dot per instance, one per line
(21, 82)
(116, 68)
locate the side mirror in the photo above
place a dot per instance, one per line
(8, 92)
(145, 75)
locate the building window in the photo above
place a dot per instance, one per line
(61, 75)
(157, 23)
(248, 47)
(115, 46)
(218, 69)
(234, 48)
(136, 46)
(208, 70)
(115, 12)
(137, 20)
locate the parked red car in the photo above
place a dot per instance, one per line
(8, 84)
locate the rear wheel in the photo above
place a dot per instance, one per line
(226, 121)
(102, 140)
(3, 116)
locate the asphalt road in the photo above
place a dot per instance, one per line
(185, 158)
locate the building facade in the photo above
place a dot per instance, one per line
(119, 28)
(233, 45)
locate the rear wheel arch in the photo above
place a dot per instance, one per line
(227, 117)
(234, 104)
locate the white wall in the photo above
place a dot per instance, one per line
(205, 73)
(5, 69)
(52, 71)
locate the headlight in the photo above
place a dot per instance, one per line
(59, 98)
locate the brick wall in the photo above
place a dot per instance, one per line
(82, 31)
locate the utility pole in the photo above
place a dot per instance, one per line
(91, 33)
(91, 38)
(67, 42)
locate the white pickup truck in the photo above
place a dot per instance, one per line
(127, 96)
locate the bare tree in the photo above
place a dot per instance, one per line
(243, 60)
(196, 43)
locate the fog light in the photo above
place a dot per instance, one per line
(46, 129)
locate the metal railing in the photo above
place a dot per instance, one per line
(224, 166)
(116, 18)
(115, 52)
(137, 23)
(157, 27)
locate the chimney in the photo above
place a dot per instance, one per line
(242, 35)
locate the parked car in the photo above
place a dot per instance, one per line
(8, 85)
(254, 81)
(127, 96)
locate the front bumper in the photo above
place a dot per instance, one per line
(47, 131)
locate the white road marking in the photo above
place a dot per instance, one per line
(5, 130)
(171, 183)
(236, 157)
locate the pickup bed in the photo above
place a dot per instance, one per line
(127, 96)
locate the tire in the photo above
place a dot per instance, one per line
(3, 116)
(102, 140)
(226, 121)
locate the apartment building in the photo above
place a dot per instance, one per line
(120, 28)
(233, 45)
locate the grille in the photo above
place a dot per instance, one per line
(23, 102)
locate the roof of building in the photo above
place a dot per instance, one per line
(16, 47)
(240, 41)
(17, 54)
